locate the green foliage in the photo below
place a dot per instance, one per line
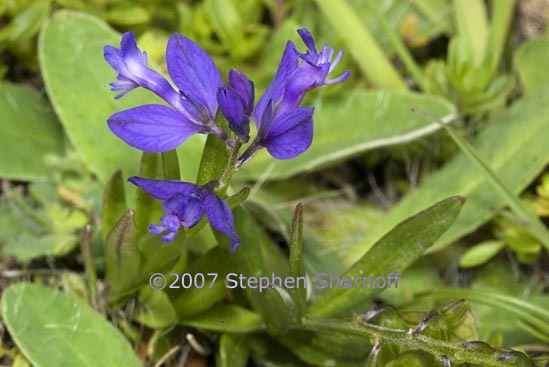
(42, 316)
(30, 131)
(69, 219)
(371, 120)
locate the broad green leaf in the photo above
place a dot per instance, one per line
(28, 132)
(55, 329)
(518, 157)
(76, 76)
(27, 247)
(481, 253)
(233, 351)
(531, 60)
(345, 128)
(398, 249)
(226, 318)
(154, 309)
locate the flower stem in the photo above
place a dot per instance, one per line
(230, 168)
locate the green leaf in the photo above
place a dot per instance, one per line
(154, 309)
(275, 313)
(226, 318)
(532, 221)
(122, 258)
(55, 329)
(160, 257)
(114, 203)
(28, 132)
(297, 269)
(70, 50)
(28, 247)
(363, 121)
(481, 253)
(472, 25)
(518, 157)
(395, 252)
(195, 300)
(214, 159)
(148, 210)
(531, 60)
(233, 351)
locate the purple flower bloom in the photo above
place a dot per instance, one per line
(185, 204)
(284, 128)
(237, 102)
(158, 128)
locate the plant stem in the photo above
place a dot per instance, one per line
(230, 168)
(437, 348)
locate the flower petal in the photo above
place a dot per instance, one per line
(193, 71)
(275, 91)
(221, 218)
(152, 128)
(306, 78)
(291, 134)
(244, 87)
(188, 209)
(131, 65)
(163, 190)
(232, 107)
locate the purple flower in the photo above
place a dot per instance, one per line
(192, 109)
(185, 204)
(284, 128)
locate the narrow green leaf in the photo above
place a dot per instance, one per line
(170, 165)
(480, 253)
(372, 120)
(472, 25)
(28, 132)
(233, 351)
(154, 309)
(275, 313)
(520, 154)
(214, 159)
(362, 45)
(297, 269)
(391, 255)
(226, 318)
(148, 210)
(114, 203)
(534, 223)
(122, 254)
(86, 248)
(44, 321)
(502, 14)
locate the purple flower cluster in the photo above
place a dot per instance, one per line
(284, 127)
